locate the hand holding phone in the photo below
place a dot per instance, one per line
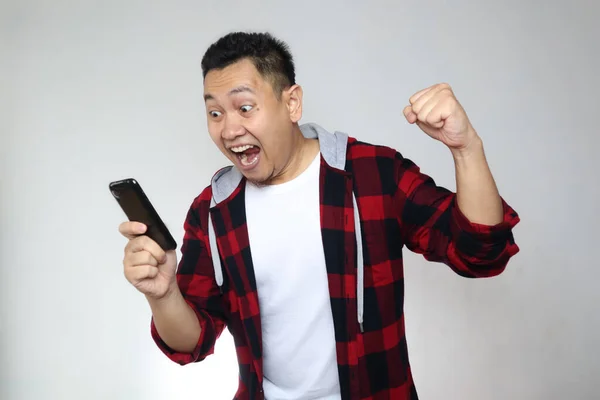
(150, 260)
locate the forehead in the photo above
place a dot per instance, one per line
(240, 74)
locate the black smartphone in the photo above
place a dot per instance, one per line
(137, 207)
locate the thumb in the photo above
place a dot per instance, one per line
(132, 229)
(409, 114)
(428, 129)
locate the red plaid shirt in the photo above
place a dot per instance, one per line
(399, 206)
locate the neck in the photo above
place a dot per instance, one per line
(304, 153)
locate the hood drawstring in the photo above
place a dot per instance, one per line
(214, 249)
(360, 266)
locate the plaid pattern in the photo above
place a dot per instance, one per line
(399, 206)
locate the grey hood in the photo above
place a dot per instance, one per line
(333, 150)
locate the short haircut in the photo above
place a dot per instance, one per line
(270, 56)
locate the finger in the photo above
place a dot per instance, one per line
(410, 116)
(144, 243)
(442, 110)
(426, 115)
(413, 99)
(131, 229)
(425, 97)
(140, 258)
(424, 127)
(140, 272)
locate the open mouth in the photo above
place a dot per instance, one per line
(247, 154)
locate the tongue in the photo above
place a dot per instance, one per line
(248, 157)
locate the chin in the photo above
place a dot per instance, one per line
(257, 178)
(253, 176)
(258, 181)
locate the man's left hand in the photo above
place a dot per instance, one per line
(439, 114)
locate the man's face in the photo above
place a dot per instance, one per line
(249, 124)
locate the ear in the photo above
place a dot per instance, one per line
(293, 99)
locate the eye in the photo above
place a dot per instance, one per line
(245, 109)
(214, 114)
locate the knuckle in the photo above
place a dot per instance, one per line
(127, 262)
(129, 246)
(126, 256)
(141, 242)
(128, 274)
(150, 258)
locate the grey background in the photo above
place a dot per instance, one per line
(96, 91)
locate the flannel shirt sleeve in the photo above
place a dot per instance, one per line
(195, 277)
(434, 226)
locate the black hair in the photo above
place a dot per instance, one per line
(270, 56)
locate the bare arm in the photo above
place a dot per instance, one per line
(190, 316)
(476, 192)
(175, 321)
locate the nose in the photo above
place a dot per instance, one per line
(232, 129)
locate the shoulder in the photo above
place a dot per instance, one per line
(203, 199)
(221, 176)
(358, 149)
(374, 167)
(197, 214)
(366, 157)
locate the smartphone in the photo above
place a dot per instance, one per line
(137, 207)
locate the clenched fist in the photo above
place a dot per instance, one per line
(147, 266)
(439, 114)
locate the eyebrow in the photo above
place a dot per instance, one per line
(239, 89)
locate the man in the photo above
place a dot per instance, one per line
(297, 247)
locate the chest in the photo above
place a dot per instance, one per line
(284, 234)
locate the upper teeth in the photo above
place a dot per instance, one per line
(241, 148)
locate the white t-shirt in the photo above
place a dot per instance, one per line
(299, 349)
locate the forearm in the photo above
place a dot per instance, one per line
(477, 195)
(175, 321)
